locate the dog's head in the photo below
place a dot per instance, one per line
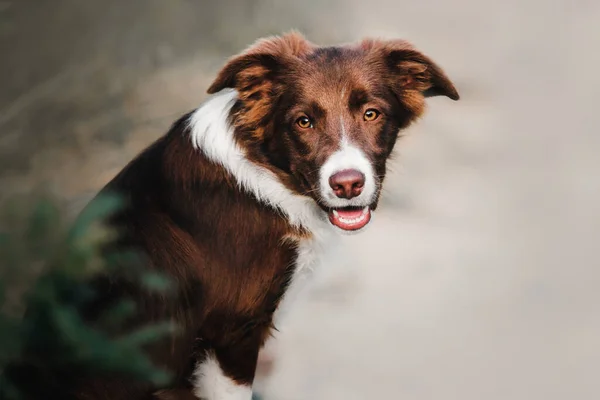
(325, 119)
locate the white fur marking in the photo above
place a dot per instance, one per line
(212, 134)
(343, 130)
(348, 157)
(210, 383)
(310, 255)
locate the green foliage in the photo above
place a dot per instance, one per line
(47, 267)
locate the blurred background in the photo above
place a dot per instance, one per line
(479, 277)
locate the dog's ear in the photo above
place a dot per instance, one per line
(258, 75)
(409, 71)
(261, 63)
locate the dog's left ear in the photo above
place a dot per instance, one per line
(409, 70)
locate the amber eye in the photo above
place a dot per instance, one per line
(304, 122)
(371, 115)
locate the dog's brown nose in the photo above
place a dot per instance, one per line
(347, 184)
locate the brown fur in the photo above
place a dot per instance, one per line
(282, 78)
(230, 255)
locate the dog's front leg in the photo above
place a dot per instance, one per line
(227, 373)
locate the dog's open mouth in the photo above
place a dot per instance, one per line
(350, 218)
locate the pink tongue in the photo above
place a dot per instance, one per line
(349, 214)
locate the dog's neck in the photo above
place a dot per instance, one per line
(212, 134)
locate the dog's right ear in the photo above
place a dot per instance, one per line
(257, 68)
(258, 75)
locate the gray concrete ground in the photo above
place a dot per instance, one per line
(479, 277)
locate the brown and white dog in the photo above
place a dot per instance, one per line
(241, 198)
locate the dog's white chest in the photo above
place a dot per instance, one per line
(311, 253)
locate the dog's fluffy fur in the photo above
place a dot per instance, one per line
(235, 202)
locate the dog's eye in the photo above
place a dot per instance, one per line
(371, 115)
(304, 122)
